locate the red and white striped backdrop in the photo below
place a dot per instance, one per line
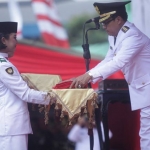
(49, 24)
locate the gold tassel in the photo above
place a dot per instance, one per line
(56, 107)
(85, 111)
(70, 123)
(41, 109)
(46, 117)
(93, 103)
(62, 115)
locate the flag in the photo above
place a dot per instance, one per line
(49, 24)
(15, 15)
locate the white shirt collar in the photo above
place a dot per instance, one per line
(4, 55)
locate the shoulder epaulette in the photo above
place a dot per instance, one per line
(2, 60)
(125, 29)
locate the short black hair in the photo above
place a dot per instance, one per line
(123, 15)
(6, 36)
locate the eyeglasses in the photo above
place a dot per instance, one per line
(105, 24)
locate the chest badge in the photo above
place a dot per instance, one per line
(10, 70)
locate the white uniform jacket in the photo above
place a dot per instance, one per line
(14, 95)
(131, 55)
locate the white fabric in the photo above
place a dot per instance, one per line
(14, 95)
(145, 128)
(131, 55)
(48, 27)
(140, 15)
(81, 138)
(46, 10)
(17, 142)
(15, 15)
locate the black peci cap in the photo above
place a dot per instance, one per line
(8, 27)
(107, 10)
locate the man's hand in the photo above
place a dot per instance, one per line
(81, 81)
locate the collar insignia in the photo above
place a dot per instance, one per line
(10, 70)
(125, 29)
(2, 60)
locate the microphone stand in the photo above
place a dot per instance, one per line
(87, 57)
(86, 54)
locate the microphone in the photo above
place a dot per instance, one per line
(96, 20)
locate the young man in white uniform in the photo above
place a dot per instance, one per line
(14, 95)
(129, 51)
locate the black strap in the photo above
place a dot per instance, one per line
(90, 132)
(115, 40)
(99, 129)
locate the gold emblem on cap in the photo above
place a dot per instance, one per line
(106, 16)
(10, 70)
(97, 9)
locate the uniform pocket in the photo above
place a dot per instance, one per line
(142, 81)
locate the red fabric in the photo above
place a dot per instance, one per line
(51, 40)
(63, 85)
(125, 125)
(43, 17)
(31, 59)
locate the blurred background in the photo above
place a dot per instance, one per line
(50, 38)
(65, 16)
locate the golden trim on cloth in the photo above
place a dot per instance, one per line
(43, 82)
(75, 102)
(69, 102)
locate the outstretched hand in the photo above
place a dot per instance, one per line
(81, 81)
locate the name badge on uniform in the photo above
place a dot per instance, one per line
(10, 70)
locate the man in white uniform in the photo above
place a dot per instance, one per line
(14, 95)
(129, 51)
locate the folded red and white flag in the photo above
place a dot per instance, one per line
(49, 24)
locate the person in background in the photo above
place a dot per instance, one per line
(14, 95)
(129, 51)
(79, 135)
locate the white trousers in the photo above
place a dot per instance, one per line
(145, 128)
(15, 142)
